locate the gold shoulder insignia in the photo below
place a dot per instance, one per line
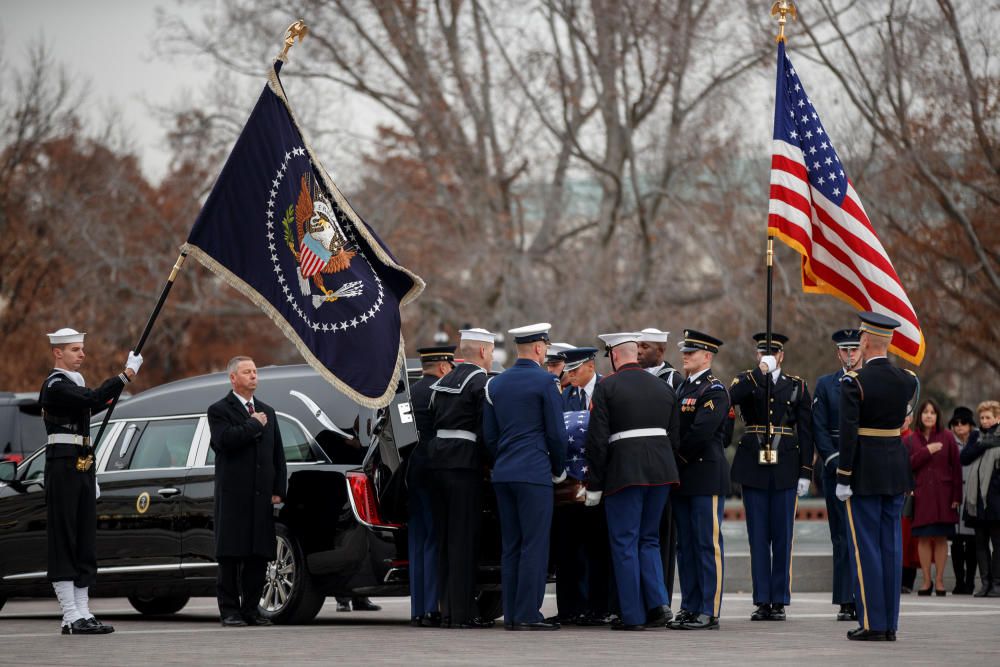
(735, 380)
(853, 374)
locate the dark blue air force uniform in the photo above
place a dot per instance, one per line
(524, 432)
(769, 489)
(826, 437)
(421, 539)
(874, 462)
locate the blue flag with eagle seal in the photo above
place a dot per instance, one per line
(277, 229)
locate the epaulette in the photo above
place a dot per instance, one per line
(735, 380)
(910, 372)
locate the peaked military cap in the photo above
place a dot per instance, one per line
(777, 341)
(577, 356)
(877, 324)
(531, 333)
(436, 353)
(846, 337)
(556, 352)
(696, 340)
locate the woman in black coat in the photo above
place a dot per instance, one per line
(982, 497)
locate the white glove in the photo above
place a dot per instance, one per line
(561, 478)
(843, 492)
(134, 362)
(97, 489)
(593, 498)
(771, 361)
(803, 487)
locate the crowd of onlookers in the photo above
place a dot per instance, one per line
(957, 498)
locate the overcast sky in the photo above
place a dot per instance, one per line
(106, 44)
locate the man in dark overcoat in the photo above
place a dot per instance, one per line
(250, 478)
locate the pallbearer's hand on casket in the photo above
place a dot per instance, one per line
(561, 478)
(593, 498)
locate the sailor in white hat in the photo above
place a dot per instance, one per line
(634, 427)
(524, 431)
(70, 480)
(652, 351)
(456, 457)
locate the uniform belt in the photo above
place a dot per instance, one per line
(637, 433)
(834, 432)
(778, 430)
(879, 432)
(455, 433)
(69, 439)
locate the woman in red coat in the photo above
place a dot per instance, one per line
(934, 459)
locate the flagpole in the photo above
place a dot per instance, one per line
(145, 334)
(782, 9)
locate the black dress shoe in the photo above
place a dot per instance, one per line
(82, 626)
(890, 635)
(257, 619)
(862, 635)
(682, 617)
(474, 624)
(925, 591)
(233, 622)
(431, 619)
(104, 627)
(540, 625)
(364, 604)
(940, 592)
(621, 626)
(343, 606)
(983, 590)
(559, 619)
(777, 612)
(701, 622)
(848, 612)
(761, 613)
(658, 617)
(415, 621)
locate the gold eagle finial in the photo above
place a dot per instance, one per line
(298, 29)
(783, 9)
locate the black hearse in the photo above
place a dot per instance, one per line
(341, 530)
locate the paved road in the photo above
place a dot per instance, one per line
(955, 630)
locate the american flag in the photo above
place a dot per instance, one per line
(576, 423)
(815, 210)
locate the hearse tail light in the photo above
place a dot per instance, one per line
(363, 501)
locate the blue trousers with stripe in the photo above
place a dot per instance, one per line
(634, 530)
(525, 520)
(840, 537)
(422, 547)
(770, 520)
(876, 558)
(700, 553)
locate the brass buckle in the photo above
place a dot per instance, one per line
(767, 456)
(83, 463)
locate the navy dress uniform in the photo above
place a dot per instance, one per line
(421, 540)
(456, 458)
(699, 501)
(826, 437)
(71, 481)
(769, 487)
(633, 429)
(873, 474)
(524, 432)
(668, 527)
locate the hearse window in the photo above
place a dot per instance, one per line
(164, 444)
(35, 469)
(295, 442)
(123, 449)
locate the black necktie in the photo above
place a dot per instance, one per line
(250, 407)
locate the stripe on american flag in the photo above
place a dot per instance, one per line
(815, 210)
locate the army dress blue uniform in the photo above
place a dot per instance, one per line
(421, 539)
(456, 459)
(769, 490)
(525, 435)
(826, 438)
(874, 463)
(699, 501)
(633, 429)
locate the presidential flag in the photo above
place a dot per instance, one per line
(276, 228)
(815, 210)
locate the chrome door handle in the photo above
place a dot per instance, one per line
(169, 491)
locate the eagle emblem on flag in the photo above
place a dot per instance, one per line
(319, 244)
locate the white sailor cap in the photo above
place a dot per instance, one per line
(480, 335)
(531, 333)
(64, 336)
(614, 339)
(652, 335)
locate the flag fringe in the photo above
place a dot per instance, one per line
(249, 292)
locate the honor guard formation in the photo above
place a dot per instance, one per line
(619, 481)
